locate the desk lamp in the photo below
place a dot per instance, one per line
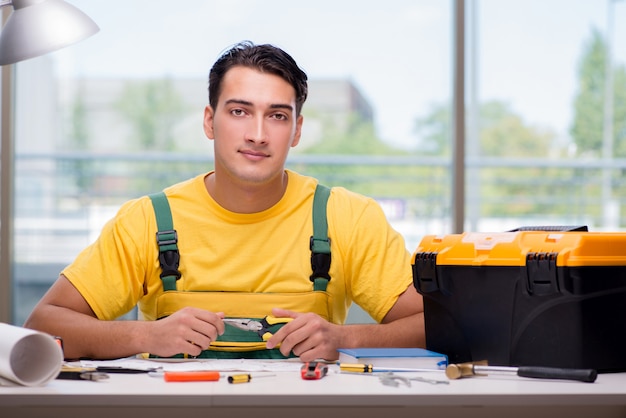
(35, 27)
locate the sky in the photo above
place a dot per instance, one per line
(399, 55)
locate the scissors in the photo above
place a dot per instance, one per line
(261, 327)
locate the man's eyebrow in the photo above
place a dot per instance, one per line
(247, 103)
(282, 106)
(238, 101)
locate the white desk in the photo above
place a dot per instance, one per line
(345, 395)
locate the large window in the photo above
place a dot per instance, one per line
(546, 133)
(119, 115)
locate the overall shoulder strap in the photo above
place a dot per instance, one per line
(320, 243)
(167, 240)
(169, 256)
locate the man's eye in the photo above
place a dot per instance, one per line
(280, 116)
(237, 112)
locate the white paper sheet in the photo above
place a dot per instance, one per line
(28, 357)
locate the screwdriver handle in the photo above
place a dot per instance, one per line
(581, 375)
(356, 367)
(193, 376)
(239, 378)
(244, 377)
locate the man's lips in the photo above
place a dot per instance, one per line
(254, 155)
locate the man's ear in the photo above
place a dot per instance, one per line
(298, 133)
(208, 122)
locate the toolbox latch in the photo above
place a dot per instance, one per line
(425, 272)
(542, 273)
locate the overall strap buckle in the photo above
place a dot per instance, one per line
(167, 240)
(319, 243)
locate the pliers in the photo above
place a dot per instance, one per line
(261, 327)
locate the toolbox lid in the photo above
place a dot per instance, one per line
(572, 249)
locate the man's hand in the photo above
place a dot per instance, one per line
(63, 311)
(189, 331)
(309, 336)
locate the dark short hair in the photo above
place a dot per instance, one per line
(265, 58)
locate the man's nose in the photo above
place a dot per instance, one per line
(256, 131)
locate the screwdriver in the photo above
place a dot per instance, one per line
(86, 375)
(80, 373)
(244, 378)
(194, 376)
(368, 368)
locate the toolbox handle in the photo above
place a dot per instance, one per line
(561, 228)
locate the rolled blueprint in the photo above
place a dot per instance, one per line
(28, 357)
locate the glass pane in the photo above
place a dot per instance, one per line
(119, 115)
(547, 127)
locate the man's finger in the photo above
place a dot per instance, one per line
(284, 313)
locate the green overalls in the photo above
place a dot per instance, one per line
(237, 343)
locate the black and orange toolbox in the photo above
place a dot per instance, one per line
(553, 297)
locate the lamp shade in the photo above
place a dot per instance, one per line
(37, 27)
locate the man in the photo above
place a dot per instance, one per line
(243, 236)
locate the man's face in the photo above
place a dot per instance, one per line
(253, 126)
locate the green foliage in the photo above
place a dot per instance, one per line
(435, 131)
(79, 141)
(153, 108)
(589, 103)
(503, 192)
(588, 127)
(79, 131)
(502, 133)
(619, 112)
(358, 137)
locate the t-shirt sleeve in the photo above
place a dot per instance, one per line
(377, 264)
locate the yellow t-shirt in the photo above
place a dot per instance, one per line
(260, 252)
